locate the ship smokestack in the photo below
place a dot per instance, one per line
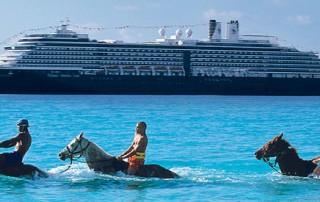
(212, 27)
(233, 30)
(214, 30)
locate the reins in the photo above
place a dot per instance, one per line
(68, 166)
(272, 165)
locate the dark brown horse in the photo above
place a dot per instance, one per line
(286, 156)
(99, 160)
(22, 170)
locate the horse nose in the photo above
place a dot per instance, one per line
(62, 156)
(258, 154)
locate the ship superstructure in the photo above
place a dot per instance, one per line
(66, 53)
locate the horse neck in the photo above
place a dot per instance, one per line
(95, 153)
(290, 161)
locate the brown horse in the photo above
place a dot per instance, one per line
(25, 170)
(286, 156)
(99, 160)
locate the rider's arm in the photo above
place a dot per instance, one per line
(129, 154)
(10, 143)
(126, 152)
(138, 147)
(316, 160)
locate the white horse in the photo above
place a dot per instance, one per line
(98, 160)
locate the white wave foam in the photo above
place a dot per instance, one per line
(80, 171)
(200, 174)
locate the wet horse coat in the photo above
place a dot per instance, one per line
(99, 160)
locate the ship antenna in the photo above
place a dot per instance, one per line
(65, 23)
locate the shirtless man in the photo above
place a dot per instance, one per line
(136, 152)
(22, 143)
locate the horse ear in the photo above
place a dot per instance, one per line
(278, 137)
(81, 134)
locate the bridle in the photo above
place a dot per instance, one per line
(277, 154)
(73, 152)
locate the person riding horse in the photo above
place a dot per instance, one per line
(22, 142)
(136, 151)
(99, 160)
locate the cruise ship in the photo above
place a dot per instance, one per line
(66, 62)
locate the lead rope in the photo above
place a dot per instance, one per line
(68, 166)
(272, 165)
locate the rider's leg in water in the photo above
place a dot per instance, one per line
(317, 170)
(131, 170)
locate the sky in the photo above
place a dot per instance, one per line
(294, 22)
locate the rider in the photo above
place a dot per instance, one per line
(136, 152)
(317, 169)
(22, 142)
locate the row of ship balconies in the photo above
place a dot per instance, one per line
(166, 52)
(168, 57)
(70, 64)
(257, 72)
(177, 53)
(153, 57)
(150, 61)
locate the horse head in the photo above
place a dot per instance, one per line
(273, 148)
(96, 158)
(75, 148)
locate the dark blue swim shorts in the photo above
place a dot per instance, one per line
(13, 159)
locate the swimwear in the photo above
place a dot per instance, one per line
(12, 159)
(137, 160)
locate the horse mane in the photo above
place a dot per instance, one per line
(288, 145)
(99, 149)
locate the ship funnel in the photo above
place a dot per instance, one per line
(214, 30)
(233, 30)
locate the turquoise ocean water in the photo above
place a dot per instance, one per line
(209, 140)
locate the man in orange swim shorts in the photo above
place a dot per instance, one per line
(136, 151)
